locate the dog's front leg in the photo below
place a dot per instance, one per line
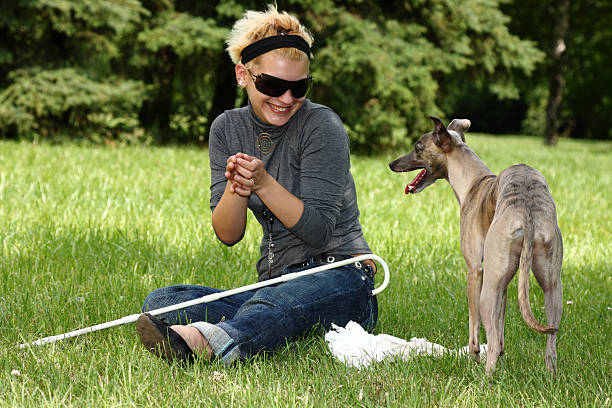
(474, 285)
(472, 253)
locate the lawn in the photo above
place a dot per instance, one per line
(88, 232)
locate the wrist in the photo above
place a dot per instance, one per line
(264, 185)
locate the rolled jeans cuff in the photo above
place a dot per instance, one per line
(221, 343)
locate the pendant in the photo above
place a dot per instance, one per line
(264, 143)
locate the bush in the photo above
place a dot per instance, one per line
(64, 102)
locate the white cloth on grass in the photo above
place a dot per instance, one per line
(355, 347)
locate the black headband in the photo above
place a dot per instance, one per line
(271, 43)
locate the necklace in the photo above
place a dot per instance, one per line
(270, 220)
(264, 142)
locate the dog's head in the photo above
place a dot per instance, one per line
(429, 154)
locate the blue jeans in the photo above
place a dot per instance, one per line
(266, 319)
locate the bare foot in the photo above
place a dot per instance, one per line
(194, 339)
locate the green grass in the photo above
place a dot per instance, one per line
(87, 233)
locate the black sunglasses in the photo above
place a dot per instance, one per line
(273, 86)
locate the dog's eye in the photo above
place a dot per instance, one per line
(418, 149)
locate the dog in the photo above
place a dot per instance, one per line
(508, 222)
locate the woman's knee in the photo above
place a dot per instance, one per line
(170, 295)
(370, 316)
(155, 299)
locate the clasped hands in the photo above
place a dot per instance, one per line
(245, 174)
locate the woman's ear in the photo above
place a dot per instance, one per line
(241, 74)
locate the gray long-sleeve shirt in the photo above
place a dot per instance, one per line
(310, 158)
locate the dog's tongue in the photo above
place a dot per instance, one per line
(414, 183)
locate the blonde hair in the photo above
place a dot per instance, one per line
(256, 25)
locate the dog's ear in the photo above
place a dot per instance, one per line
(438, 125)
(442, 138)
(460, 126)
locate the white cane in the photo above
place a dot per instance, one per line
(215, 296)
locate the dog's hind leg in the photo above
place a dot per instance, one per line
(547, 263)
(501, 259)
(500, 326)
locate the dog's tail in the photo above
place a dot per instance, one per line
(523, 282)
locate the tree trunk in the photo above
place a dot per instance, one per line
(225, 92)
(557, 72)
(155, 113)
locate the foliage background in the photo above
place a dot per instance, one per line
(155, 71)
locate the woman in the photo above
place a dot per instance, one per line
(287, 160)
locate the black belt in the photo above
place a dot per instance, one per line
(327, 258)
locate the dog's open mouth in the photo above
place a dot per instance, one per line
(415, 183)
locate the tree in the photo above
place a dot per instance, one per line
(174, 53)
(586, 98)
(384, 66)
(557, 75)
(584, 67)
(56, 70)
